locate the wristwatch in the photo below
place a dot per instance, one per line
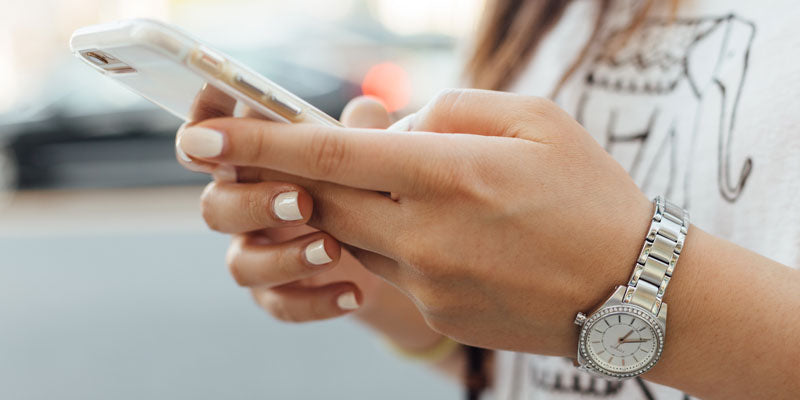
(624, 337)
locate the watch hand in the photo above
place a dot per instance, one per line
(635, 341)
(622, 339)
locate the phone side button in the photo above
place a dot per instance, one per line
(247, 86)
(288, 109)
(207, 60)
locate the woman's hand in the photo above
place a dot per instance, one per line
(290, 273)
(294, 271)
(501, 229)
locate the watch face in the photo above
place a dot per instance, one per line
(621, 341)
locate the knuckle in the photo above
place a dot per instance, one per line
(233, 262)
(448, 97)
(534, 113)
(444, 102)
(207, 209)
(327, 153)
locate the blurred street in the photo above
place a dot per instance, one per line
(123, 294)
(137, 211)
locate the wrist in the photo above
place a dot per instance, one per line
(731, 315)
(682, 291)
(611, 259)
(624, 337)
(605, 265)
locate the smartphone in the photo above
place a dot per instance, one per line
(184, 76)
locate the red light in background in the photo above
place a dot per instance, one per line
(389, 83)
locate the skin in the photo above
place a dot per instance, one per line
(504, 219)
(288, 287)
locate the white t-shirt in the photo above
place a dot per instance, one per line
(705, 110)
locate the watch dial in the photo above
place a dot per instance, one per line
(621, 342)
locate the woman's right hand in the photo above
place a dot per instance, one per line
(295, 272)
(299, 274)
(271, 259)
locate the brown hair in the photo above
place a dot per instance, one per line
(511, 31)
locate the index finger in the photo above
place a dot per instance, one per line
(362, 158)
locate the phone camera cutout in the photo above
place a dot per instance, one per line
(106, 62)
(95, 58)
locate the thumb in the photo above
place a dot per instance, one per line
(365, 112)
(489, 113)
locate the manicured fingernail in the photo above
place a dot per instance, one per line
(201, 142)
(286, 207)
(225, 173)
(180, 152)
(316, 254)
(347, 301)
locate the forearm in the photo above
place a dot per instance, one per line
(734, 323)
(395, 317)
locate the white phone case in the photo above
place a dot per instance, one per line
(178, 73)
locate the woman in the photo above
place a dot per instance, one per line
(505, 215)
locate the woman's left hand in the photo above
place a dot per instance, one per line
(502, 228)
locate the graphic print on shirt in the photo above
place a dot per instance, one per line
(652, 91)
(558, 376)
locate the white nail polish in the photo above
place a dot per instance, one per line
(225, 173)
(182, 154)
(201, 142)
(286, 208)
(347, 301)
(316, 254)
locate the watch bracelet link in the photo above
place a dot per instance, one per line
(658, 257)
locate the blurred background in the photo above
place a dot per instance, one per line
(110, 284)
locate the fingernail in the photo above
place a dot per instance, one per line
(225, 173)
(201, 142)
(286, 208)
(316, 254)
(347, 301)
(179, 151)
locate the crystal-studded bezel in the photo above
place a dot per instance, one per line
(647, 316)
